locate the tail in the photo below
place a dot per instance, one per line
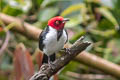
(45, 59)
(51, 58)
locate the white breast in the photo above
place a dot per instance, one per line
(51, 43)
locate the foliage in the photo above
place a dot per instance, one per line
(92, 18)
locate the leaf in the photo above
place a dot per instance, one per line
(77, 35)
(72, 66)
(73, 22)
(72, 8)
(46, 14)
(105, 24)
(20, 1)
(116, 14)
(107, 54)
(107, 14)
(38, 2)
(13, 11)
(47, 2)
(8, 27)
(107, 33)
(23, 58)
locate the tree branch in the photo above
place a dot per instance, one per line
(47, 71)
(79, 76)
(22, 27)
(7, 38)
(99, 63)
(85, 57)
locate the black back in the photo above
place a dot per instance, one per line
(42, 37)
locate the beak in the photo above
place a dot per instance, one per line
(65, 20)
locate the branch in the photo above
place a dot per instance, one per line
(47, 71)
(99, 63)
(89, 76)
(22, 27)
(85, 57)
(7, 38)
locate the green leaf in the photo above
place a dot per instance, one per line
(20, 1)
(72, 8)
(105, 34)
(2, 33)
(105, 24)
(116, 14)
(2, 4)
(47, 2)
(107, 54)
(47, 13)
(12, 10)
(73, 21)
(39, 2)
(72, 66)
(107, 14)
(78, 35)
(11, 25)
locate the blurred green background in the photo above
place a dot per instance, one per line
(97, 20)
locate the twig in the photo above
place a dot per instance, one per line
(5, 43)
(47, 71)
(89, 76)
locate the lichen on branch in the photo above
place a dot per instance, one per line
(46, 71)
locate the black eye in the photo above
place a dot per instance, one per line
(58, 22)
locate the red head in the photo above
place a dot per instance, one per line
(57, 22)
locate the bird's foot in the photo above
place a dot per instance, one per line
(51, 65)
(67, 50)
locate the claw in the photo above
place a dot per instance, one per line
(51, 65)
(67, 50)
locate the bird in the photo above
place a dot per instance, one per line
(53, 38)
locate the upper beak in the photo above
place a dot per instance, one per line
(66, 19)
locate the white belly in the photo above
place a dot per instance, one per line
(51, 43)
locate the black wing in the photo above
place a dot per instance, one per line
(42, 37)
(59, 34)
(67, 36)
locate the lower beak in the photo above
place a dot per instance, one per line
(66, 19)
